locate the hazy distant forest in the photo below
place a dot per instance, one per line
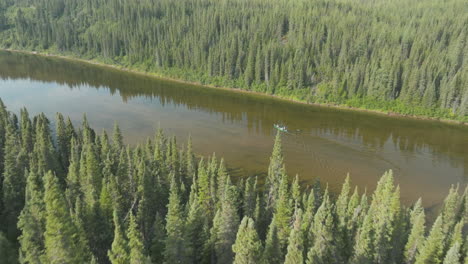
(70, 195)
(406, 56)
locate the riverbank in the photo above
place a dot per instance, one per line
(100, 63)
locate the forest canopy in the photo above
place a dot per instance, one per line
(71, 195)
(405, 56)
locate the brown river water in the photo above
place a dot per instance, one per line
(427, 157)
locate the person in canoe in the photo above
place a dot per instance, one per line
(280, 128)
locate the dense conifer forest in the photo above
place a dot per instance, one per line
(405, 56)
(71, 195)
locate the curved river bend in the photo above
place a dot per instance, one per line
(426, 157)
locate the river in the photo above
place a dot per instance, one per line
(427, 157)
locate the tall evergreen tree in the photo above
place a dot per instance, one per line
(325, 247)
(226, 227)
(283, 212)
(63, 141)
(250, 197)
(432, 250)
(175, 244)
(342, 214)
(453, 255)
(159, 237)
(374, 239)
(296, 243)
(13, 182)
(119, 253)
(195, 227)
(135, 243)
(275, 172)
(247, 247)
(416, 236)
(272, 252)
(62, 243)
(31, 222)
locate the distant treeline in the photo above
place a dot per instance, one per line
(70, 195)
(407, 56)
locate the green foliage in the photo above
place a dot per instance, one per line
(248, 246)
(194, 230)
(453, 255)
(31, 222)
(375, 237)
(175, 246)
(432, 250)
(416, 236)
(135, 243)
(272, 252)
(394, 56)
(227, 225)
(62, 240)
(283, 212)
(118, 254)
(295, 252)
(7, 251)
(275, 172)
(66, 215)
(13, 181)
(324, 248)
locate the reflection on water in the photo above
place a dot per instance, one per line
(427, 157)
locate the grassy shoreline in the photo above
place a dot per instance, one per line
(94, 61)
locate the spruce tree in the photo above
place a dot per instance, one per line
(26, 131)
(453, 255)
(135, 243)
(44, 152)
(119, 253)
(248, 247)
(227, 226)
(457, 235)
(158, 239)
(283, 212)
(63, 141)
(175, 244)
(275, 172)
(222, 175)
(62, 240)
(295, 251)
(73, 190)
(146, 208)
(194, 228)
(451, 212)
(272, 252)
(13, 183)
(432, 250)
(117, 139)
(204, 189)
(90, 176)
(259, 216)
(354, 214)
(308, 219)
(249, 196)
(325, 246)
(342, 214)
(374, 238)
(190, 161)
(416, 235)
(31, 222)
(296, 192)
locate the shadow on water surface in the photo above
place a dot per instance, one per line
(426, 156)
